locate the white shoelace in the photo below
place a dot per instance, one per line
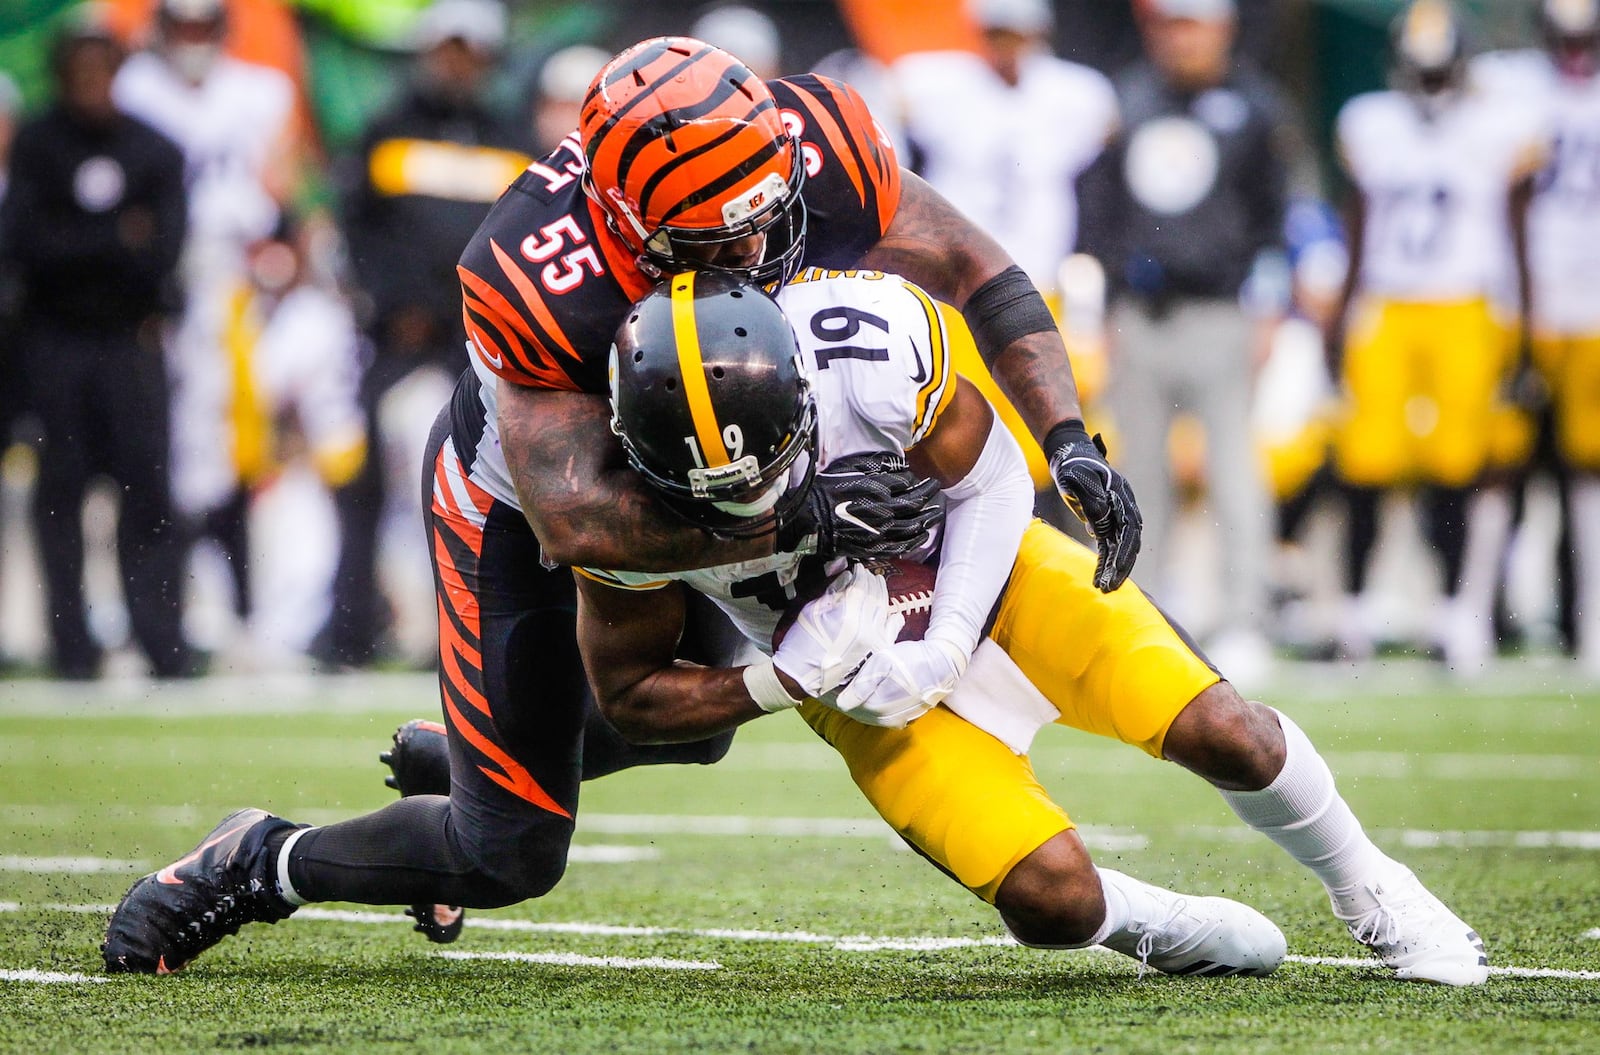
(1147, 935)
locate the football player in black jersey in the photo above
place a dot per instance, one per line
(683, 158)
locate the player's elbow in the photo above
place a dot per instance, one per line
(634, 716)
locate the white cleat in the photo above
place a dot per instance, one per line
(1206, 936)
(1411, 930)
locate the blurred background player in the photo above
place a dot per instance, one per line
(563, 82)
(11, 376)
(92, 225)
(425, 174)
(1003, 133)
(299, 434)
(1563, 238)
(1440, 175)
(1185, 207)
(233, 121)
(743, 31)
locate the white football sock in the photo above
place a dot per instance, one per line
(285, 888)
(1303, 812)
(1128, 901)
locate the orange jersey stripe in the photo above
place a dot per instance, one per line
(472, 306)
(530, 297)
(512, 776)
(452, 652)
(863, 130)
(821, 120)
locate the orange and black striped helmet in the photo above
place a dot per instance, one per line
(688, 152)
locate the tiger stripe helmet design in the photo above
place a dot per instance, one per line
(712, 405)
(687, 152)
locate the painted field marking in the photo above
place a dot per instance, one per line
(569, 959)
(50, 977)
(838, 943)
(69, 865)
(1509, 972)
(579, 854)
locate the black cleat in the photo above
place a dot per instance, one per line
(419, 764)
(169, 917)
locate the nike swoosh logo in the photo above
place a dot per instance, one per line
(168, 875)
(842, 511)
(922, 372)
(495, 360)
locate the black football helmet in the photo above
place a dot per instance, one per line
(712, 405)
(1429, 48)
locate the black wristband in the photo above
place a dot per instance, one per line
(1063, 433)
(1004, 309)
(1069, 431)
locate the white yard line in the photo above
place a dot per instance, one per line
(51, 977)
(839, 943)
(69, 865)
(570, 959)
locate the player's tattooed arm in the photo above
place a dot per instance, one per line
(933, 244)
(628, 639)
(584, 502)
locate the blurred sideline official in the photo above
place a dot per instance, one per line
(1185, 206)
(92, 223)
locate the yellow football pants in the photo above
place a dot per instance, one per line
(1420, 382)
(1111, 663)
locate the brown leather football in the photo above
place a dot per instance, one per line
(910, 594)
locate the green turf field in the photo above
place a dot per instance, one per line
(757, 906)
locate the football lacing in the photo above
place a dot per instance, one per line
(911, 602)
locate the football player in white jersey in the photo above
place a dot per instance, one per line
(1441, 174)
(233, 121)
(1562, 81)
(1004, 134)
(731, 417)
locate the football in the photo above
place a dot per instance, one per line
(910, 594)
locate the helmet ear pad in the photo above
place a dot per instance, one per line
(712, 404)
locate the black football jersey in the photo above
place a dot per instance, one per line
(544, 282)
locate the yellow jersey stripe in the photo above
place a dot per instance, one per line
(693, 368)
(936, 393)
(605, 578)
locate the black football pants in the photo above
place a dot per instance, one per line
(523, 728)
(102, 400)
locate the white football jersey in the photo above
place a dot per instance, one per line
(1564, 217)
(308, 361)
(227, 127)
(1007, 156)
(875, 350)
(1435, 190)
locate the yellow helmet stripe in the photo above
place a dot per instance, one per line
(686, 335)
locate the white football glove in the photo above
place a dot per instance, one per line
(838, 630)
(901, 683)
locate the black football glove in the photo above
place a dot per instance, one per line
(865, 506)
(1100, 497)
